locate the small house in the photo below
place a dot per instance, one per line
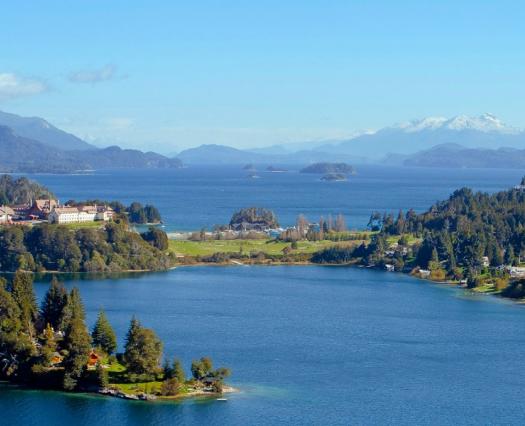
(56, 359)
(93, 359)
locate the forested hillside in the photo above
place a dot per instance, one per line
(21, 190)
(461, 237)
(60, 248)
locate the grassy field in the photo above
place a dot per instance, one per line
(83, 225)
(271, 247)
(411, 239)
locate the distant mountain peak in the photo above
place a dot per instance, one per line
(484, 123)
(38, 129)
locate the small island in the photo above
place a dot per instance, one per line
(51, 348)
(329, 168)
(335, 177)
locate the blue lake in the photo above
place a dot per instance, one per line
(308, 345)
(197, 197)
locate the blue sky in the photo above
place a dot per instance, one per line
(167, 75)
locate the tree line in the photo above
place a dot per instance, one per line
(60, 248)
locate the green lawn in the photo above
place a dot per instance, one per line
(207, 248)
(83, 225)
(411, 239)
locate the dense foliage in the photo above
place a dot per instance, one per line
(465, 228)
(138, 213)
(254, 218)
(60, 248)
(461, 237)
(21, 191)
(143, 349)
(156, 237)
(103, 335)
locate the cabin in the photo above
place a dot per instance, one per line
(56, 359)
(485, 261)
(93, 359)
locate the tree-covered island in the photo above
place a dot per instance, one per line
(50, 347)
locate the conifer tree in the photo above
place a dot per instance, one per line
(103, 334)
(143, 349)
(73, 309)
(77, 341)
(53, 305)
(12, 340)
(24, 295)
(178, 371)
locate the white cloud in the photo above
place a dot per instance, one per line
(108, 72)
(14, 86)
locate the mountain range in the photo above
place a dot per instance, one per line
(35, 145)
(31, 144)
(391, 145)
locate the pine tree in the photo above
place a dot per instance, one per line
(24, 295)
(178, 371)
(143, 349)
(102, 376)
(49, 345)
(167, 369)
(73, 308)
(77, 341)
(53, 305)
(15, 347)
(103, 334)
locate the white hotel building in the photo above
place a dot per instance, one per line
(80, 214)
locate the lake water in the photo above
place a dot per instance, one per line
(308, 345)
(197, 197)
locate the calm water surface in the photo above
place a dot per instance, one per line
(191, 198)
(309, 345)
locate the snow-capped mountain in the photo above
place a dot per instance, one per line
(483, 123)
(486, 131)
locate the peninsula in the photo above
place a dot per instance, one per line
(51, 348)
